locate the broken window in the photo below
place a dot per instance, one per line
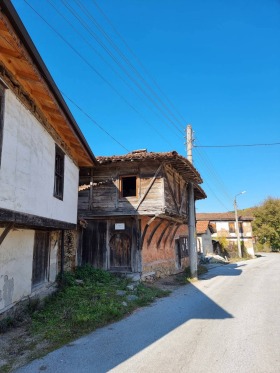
(58, 173)
(2, 101)
(128, 187)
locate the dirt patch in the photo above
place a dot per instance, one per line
(171, 282)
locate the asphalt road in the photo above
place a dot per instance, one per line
(229, 321)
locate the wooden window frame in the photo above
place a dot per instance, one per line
(59, 171)
(121, 178)
(184, 246)
(2, 108)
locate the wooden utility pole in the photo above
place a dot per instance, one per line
(191, 209)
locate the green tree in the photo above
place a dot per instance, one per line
(266, 224)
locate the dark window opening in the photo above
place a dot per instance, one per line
(240, 226)
(183, 242)
(40, 258)
(128, 186)
(2, 101)
(58, 173)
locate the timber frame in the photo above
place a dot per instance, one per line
(159, 211)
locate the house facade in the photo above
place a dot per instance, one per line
(224, 228)
(134, 211)
(41, 151)
(204, 233)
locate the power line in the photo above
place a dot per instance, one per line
(235, 146)
(115, 59)
(138, 61)
(97, 72)
(95, 122)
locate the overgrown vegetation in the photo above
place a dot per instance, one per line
(266, 225)
(87, 299)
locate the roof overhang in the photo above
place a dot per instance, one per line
(24, 70)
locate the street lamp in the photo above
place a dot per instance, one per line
(236, 223)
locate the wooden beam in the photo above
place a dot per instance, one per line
(145, 230)
(149, 240)
(182, 199)
(163, 232)
(171, 192)
(175, 231)
(5, 232)
(24, 220)
(27, 76)
(168, 234)
(149, 187)
(10, 52)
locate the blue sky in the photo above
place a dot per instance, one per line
(213, 64)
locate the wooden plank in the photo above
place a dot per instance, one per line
(29, 220)
(172, 193)
(10, 52)
(5, 232)
(149, 186)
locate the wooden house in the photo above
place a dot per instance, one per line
(134, 212)
(41, 151)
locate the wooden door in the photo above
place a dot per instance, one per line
(94, 244)
(120, 244)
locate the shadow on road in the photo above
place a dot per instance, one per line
(223, 270)
(112, 345)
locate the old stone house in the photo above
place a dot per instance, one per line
(41, 151)
(224, 226)
(134, 210)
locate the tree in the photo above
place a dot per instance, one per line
(266, 224)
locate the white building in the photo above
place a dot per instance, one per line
(41, 150)
(223, 226)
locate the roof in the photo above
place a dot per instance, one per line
(202, 226)
(180, 163)
(23, 62)
(221, 216)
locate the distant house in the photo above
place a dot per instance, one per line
(204, 233)
(134, 210)
(224, 227)
(41, 150)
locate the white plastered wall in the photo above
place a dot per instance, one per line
(27, 167)
(16, 253)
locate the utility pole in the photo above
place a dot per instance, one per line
(191, 208)
(237, 225)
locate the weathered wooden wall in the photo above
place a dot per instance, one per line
(175, 192)
(154, 195)
(112, 244)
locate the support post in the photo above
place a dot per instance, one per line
(191, 209)
(237, 230)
